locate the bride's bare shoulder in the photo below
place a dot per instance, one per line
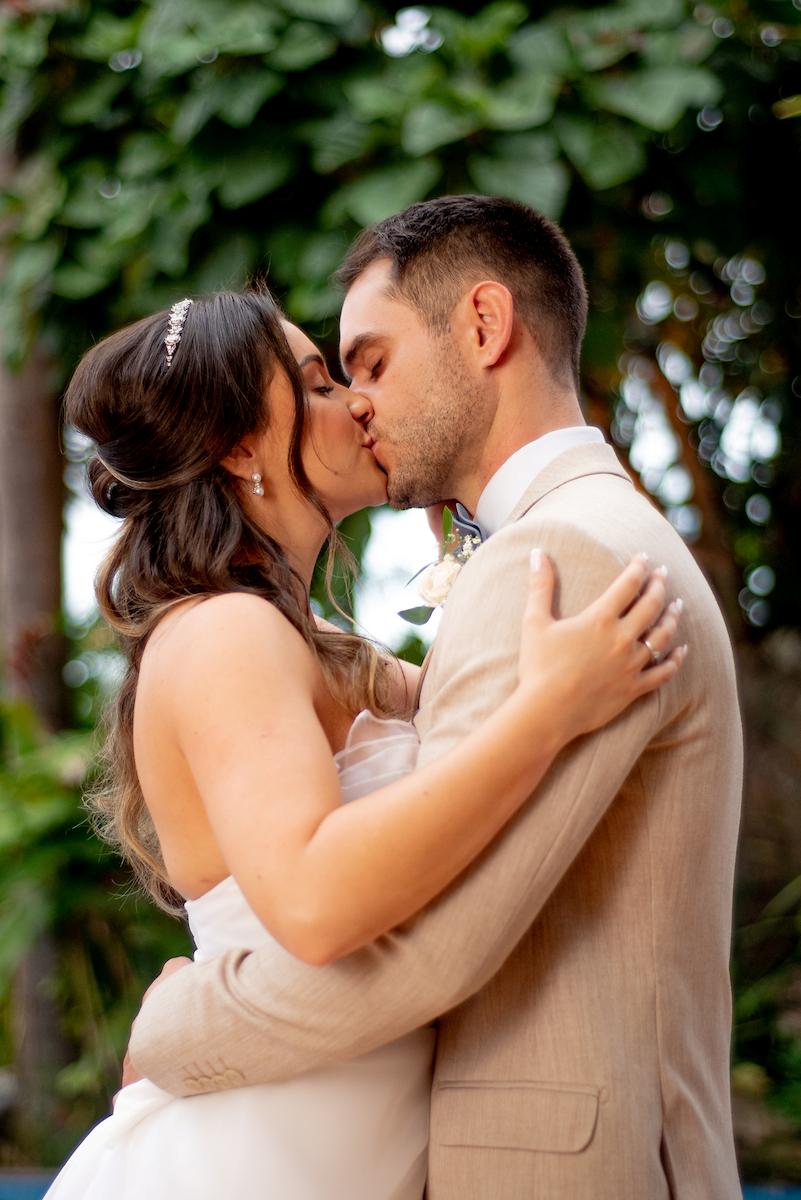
(218, 629)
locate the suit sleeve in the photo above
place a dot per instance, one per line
(264, 1016)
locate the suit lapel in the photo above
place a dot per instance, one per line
(595, 459)
(423, 673)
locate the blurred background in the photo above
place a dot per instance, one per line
(154, 150)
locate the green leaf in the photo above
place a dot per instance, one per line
(527, 147)
(76, 281)
(234, 97)
(543, 186)
(522, 102)
(541, 48)
(192, 113)
(25, 910)
(475, 38)
(391, 92)
(320, 255)
(106, 35)
(172, 229)
(41, 190)
(243, 94)
(656, 97)
(690, 43)
(790, 107)
(604, 152)
(228, 265)
(87, 103)
(302, 46)
(86, 207)
(431, 125)
(144, 153)
(176, 36)
(23, 39)
(447, 524)
(337, 140)
(19, 98)
(29, 265)
(383, 192)
(330, 11)
(416, 616)
(254, 173)
(313, 302)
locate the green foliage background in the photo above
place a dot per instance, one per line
(162, 149)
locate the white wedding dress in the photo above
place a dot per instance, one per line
(354, 1131)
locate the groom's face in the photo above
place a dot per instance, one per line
(418, 390)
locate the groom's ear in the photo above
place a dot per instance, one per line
(489, 314)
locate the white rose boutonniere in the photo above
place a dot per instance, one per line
(437, 579)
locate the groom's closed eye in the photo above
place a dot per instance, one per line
(357, 353)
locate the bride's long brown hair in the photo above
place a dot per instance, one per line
(164, 431)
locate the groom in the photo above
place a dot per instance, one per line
(579, 970)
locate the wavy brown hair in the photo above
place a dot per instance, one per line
(160, 434)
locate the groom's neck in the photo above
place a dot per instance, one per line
(523, 412)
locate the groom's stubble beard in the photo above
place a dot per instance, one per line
(434, 445)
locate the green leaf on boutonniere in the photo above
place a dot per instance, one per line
(447, 525)
(416, 616)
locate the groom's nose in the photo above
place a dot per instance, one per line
(360, 408)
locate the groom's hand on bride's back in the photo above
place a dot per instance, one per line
(129, 1071)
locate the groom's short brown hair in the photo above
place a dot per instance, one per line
(438, 247)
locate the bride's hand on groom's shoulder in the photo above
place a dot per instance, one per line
(129, 1071)
(594, 664)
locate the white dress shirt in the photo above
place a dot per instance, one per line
(510, 481)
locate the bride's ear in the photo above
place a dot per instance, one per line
(243, 461)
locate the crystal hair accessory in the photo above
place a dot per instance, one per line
(176, 327)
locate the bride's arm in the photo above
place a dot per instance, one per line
(326, 878)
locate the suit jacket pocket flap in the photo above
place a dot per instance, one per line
(559, 1118)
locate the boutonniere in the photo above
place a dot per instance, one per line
(437, 579)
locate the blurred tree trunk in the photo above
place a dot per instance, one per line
(31, 503)
(31, 507)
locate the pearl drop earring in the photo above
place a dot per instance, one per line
(258, 489)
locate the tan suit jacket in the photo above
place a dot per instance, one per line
(579, 969)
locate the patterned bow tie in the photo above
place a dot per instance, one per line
(464, 525)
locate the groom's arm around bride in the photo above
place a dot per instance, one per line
(582, 962)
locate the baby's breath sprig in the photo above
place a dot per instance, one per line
(438, 578)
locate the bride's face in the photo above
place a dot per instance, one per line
(340, 467)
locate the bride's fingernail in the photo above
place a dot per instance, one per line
(536, 560)
(677, 605)
(661, 571)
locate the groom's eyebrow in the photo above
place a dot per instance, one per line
(357, 346)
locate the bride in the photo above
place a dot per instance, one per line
(244, 722)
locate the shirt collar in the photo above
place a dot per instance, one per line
(510, 481)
